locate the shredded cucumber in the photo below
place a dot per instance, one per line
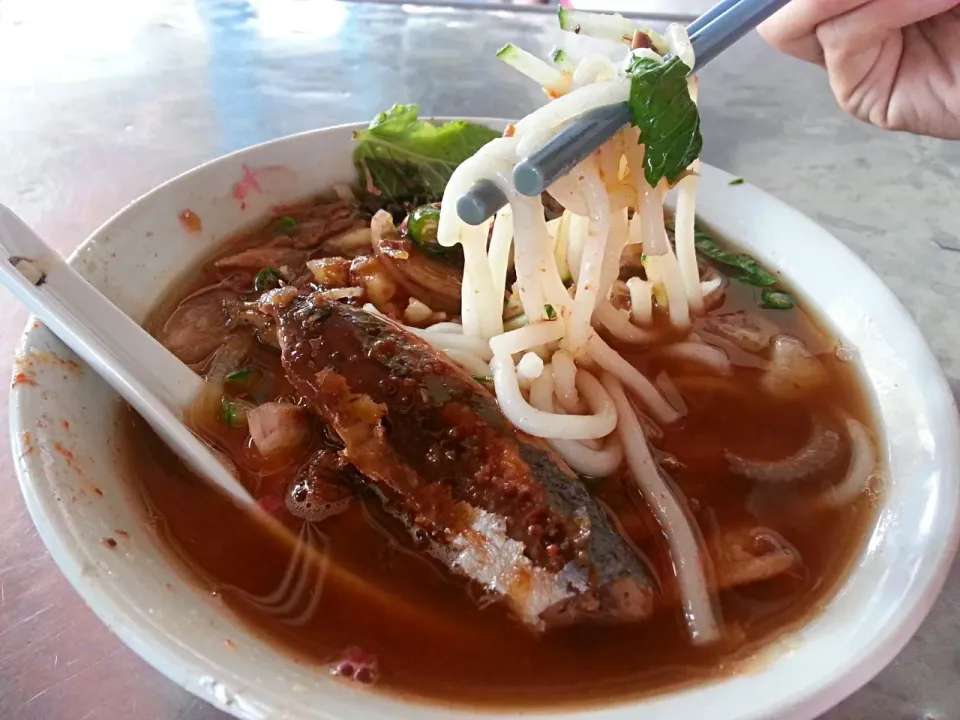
(608, 27)
(531, 66)
(562, 60)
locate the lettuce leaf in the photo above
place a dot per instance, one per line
(407, 160)
(668, 118)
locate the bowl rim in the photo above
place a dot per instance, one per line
(172, 659)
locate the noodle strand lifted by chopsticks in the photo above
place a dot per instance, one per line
(545, 362)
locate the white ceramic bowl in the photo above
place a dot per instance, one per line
(77, 494)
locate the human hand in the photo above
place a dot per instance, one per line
(892, 63)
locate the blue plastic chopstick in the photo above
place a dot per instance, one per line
(710, 15)
(710, 34)
(729, 25)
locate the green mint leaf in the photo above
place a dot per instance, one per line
(668, 118)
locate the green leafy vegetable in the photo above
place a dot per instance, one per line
(750, 272)
(742, 268)
(286, 224)
(550, 312)
(736, 181)
(777, 300)
(404, 159)
(267, 279)
(668, 118)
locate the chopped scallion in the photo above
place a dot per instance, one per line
(234, 412)
(531, 66)
(267, 279)
(244, 378)
(287, 224)
(422, 226)
(736, 181)
(550, 312)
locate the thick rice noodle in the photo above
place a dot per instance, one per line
(553, 392)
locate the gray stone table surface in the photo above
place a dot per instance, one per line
(101, 100)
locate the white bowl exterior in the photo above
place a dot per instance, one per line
(150, 602)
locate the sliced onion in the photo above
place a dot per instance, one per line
(529, 368)
(712, 291)
(350, 241)
(863, 462)
(416, 312)
(815, 455)
(699, 352)
(793, 371)
(341, 293)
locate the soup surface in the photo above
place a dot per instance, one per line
(366, 602)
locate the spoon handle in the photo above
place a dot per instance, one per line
(130, 360)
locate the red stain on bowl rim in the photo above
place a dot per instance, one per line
(21, 378)
(45, 357)
(63, 452)
(28, 444)
(248, 183)
(191, 221)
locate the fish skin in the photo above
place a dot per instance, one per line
(491, 503)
